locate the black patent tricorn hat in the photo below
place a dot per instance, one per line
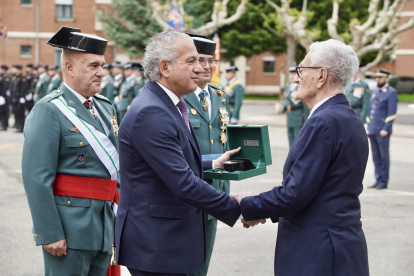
(73, 39)
(204, 46)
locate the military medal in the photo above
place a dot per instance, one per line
(225, 120)
(193, 111)
(115, 126)
(74, 129)
(223, 101)
(205, 105)
(220, 93)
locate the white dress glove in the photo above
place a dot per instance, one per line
(22, 100)
(8, 93)
(29, 97)
(116, 100)
(2, 100)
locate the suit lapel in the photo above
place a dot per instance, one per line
(81, 111)
(157, 90)
(194, 102)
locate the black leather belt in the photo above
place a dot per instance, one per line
(356, 106)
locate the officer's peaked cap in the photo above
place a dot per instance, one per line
(107, 66)
(17, 66)
(204, 46)
(73, 39)
(292, 69)
(5, 67)
(29, 65)
(381, 72)
(232, 69)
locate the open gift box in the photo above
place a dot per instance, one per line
(255, 145)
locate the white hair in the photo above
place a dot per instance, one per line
(161, 47)
(340, 60)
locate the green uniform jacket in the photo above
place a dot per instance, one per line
(236, 100)
(359, 95)
(126, 94)
(54, 84)
(52, 146)
(139, 84)
(108, 88)
(208, 130)
(298, 113)
(41, 87)
(117, 85)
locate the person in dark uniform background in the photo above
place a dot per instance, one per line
(381, 115)
(55, 79)
(18, 90)
(42, 83)
(296, 111)
(5, 79)
(139, 80)
(358, 94)
(235, 91)
(127, 91)
(107, 85)
(31, 82)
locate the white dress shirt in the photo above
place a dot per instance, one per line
(318, 105)
(117, 77)
(55, 77)
(82, 99)
(208, 98)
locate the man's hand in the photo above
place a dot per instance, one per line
(240, 196)
(383, 133)
(225, 157)
(56, 248)
(253, 223)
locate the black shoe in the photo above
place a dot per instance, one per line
(374, 186)
(3, 128)
(18, 131)
(381, 187)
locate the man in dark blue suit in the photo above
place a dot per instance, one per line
(159, 224)
(317, 206)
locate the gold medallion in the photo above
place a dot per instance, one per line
(205, 106)
(223, 101)
(193, 111)
(223, 138)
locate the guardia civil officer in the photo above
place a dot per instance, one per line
(296, 111)
(381, 115)
(5, 79)
(139, 80)
(70, 163)
(208, 115)
(42, 83)
(118, 73)
(55, 79)
(107, 85)
(18, 90)
(31, 82)
(127, 91)
(358, 94)
(235, 91)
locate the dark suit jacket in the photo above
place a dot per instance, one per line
(159, 225)
(320, 232)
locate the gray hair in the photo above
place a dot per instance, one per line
(161, 47)
(340, 60)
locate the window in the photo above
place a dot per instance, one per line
(58, 54)
(268, 64)
(26, 51)
(26, 2)
(64, 11)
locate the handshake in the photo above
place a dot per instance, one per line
(247, 224)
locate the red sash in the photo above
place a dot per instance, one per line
(86, 187)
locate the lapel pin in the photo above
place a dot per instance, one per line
(193, 111)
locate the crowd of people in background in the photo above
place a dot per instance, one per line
(21, 88)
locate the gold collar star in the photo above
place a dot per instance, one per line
(71, 102)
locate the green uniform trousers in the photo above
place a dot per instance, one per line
(292, 133)
(77, 263)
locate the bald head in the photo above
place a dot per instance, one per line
(82, 71)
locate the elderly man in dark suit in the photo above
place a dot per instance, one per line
(317, 206)
(159, 225)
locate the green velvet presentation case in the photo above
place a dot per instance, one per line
(254, 143)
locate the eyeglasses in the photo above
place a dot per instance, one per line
(212, 62)
(300, 70)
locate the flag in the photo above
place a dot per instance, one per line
(174, 19)
(3, 29)
(215, 79)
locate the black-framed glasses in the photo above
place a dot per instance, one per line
(211, 61)
(300, 70)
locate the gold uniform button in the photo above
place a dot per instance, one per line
(81, 144)
(212, 142)
(68, 203)
(35, 235)
(372, 117)
(372, 111)
(211, 127)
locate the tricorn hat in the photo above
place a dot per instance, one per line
(73, 39)
(17, 66)
(204, 46)
(5, 67)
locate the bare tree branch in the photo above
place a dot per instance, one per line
(333, 21)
